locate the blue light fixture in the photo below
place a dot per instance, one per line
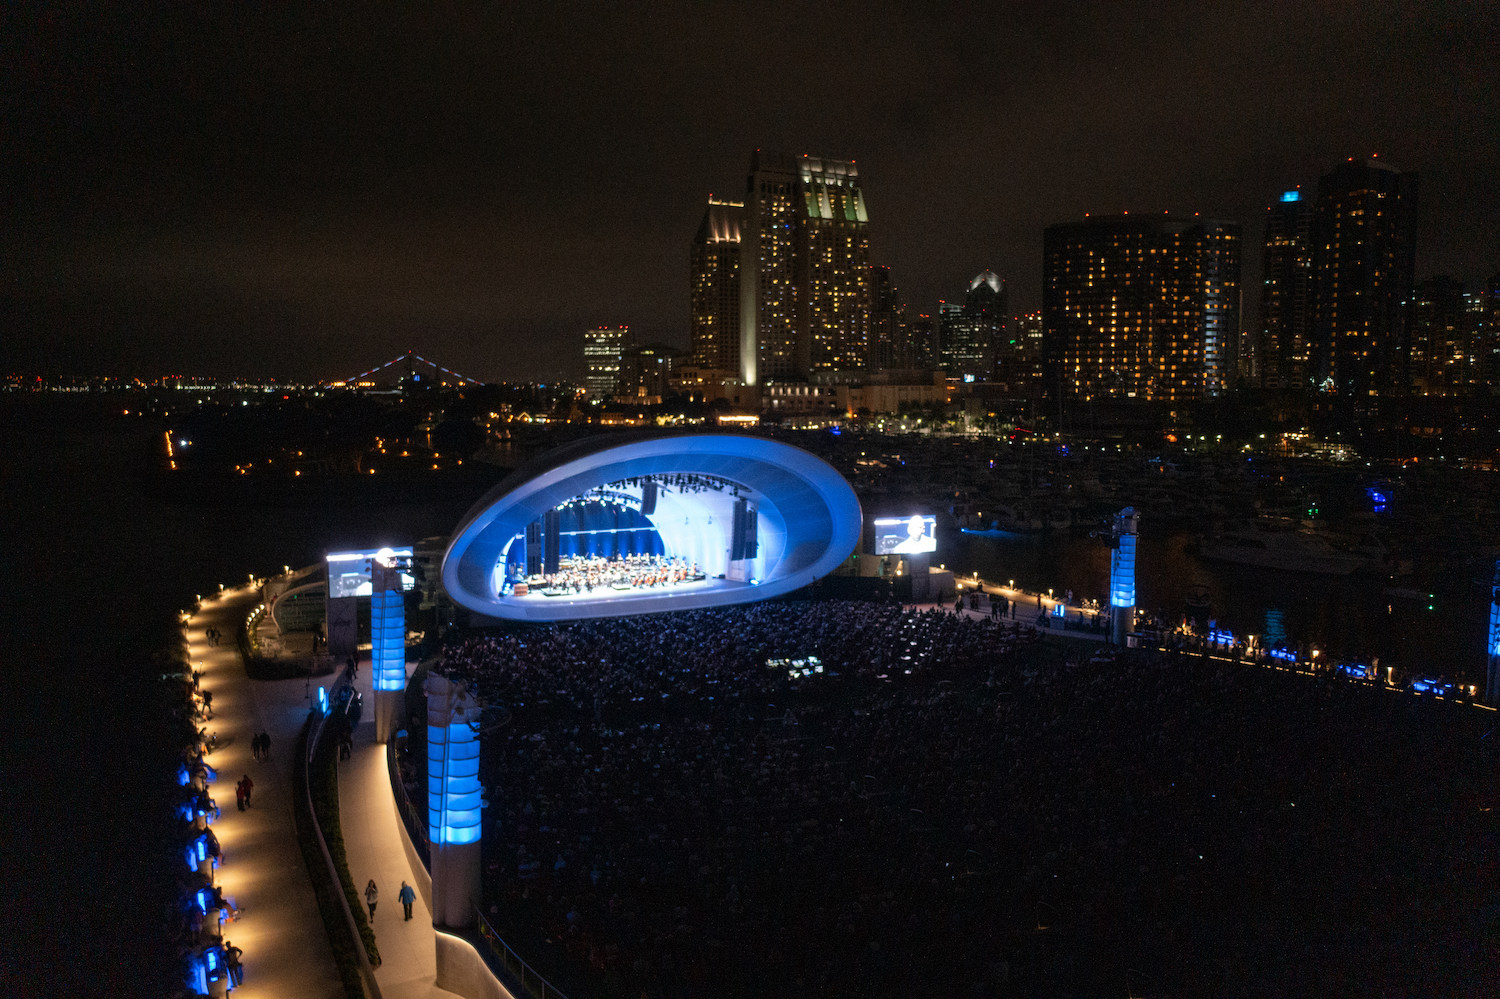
(1291, 196)
(1492, 674)
(1123, 537)
(1122, 573)
(453, 788)
(388, 639)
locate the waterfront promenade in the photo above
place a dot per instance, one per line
(280, 930)
(372, 843)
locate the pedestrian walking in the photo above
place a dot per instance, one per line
(407, 897)
(265, 745)
(248, 785)
(239, 796)
(372, 895)
(232, 955)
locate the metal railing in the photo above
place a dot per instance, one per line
(313, 727)
(525, 973)
(416, 828)
(416, 825)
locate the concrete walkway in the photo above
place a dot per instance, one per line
(1026, 608)
(279, 929)
(372, 843)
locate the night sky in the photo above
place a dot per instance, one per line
(306, 190)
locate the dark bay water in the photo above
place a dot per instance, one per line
(94, 562)
(1347, 616)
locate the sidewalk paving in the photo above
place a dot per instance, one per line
(372, 843)
(279, 929)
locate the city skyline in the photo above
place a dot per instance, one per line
(177, 200)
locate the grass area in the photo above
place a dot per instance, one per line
(345, 954)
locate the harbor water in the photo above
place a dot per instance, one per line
(1433, 623)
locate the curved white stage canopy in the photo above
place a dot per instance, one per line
(617, 525)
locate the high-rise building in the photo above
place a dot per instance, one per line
(835, 251)
(1286, 293)
(1439, 347)
(603, 351)
(646, 371)
(1123, 302)
(1019, 360)
(1364, 250)
(716, 286)
(804, 300)
(769, 271)
(972, 335)
(920, 341)
(1212, 250)
(1476, 309)
(886, 314)
(949, 316)
(1489, 339)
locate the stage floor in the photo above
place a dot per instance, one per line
(602, 599)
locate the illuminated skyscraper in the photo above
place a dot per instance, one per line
(950, 315)
(1121, 317)
(1210, 253)
(1489, 338)
(972, 335)
(835, 252)
(803, 259)
(919, 339)
(1364, 248)
(1441, 357)
(887, 349)
(603, 350)
(769, 271)
(1018, 359)
(716, 287)
(1286, 293)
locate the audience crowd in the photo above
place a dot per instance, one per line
(681, 805)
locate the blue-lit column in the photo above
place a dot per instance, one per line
(387, 646)
(453, 800)
(1492, 677)
(1122, 575)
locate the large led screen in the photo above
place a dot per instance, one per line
(349, 572)
(906, 535)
